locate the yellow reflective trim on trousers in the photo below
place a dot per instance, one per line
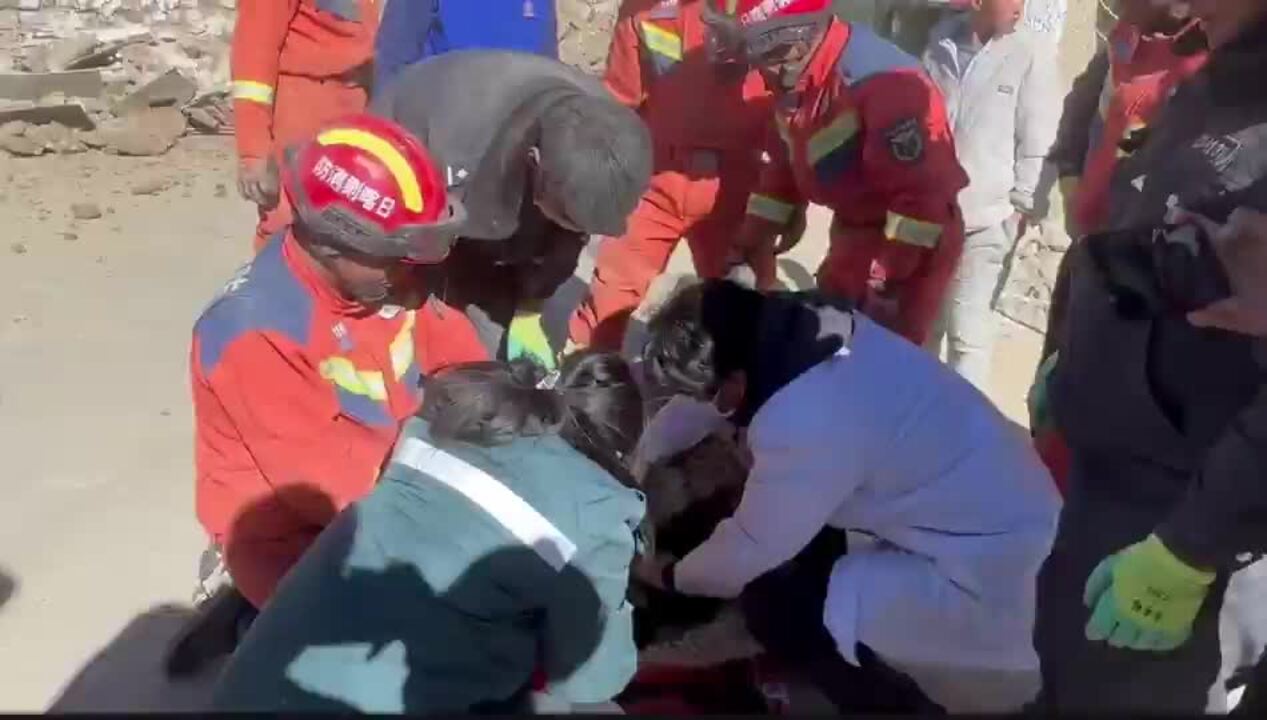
(823, 142)
(397, 165)
(253, 91)
(768, 208)
(341, 372)
(903, 229)
(661, 41)
(401, 348)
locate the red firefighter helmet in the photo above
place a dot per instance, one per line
(751, 12)
(367, 185)
(758, 29)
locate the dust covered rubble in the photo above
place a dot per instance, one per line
(127, 77)
(108, 71)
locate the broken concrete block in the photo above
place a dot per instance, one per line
(32, 86)
(170, 89)
(53, 135)
(72, 116)
(21, 145)
(124, 33)
(57, 139)
(152, 131)
(91, 138)
(212, 114)
(13, 127)
(61, 54)
(102, 55)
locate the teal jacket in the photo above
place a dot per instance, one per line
(467, 570)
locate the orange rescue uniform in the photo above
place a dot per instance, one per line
(707, 130)
(298, 398)
(865, 133)
(297, 65)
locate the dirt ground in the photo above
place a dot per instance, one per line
(98, 543)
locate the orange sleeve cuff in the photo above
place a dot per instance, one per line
(253, 125)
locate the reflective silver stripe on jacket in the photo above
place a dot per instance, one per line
(508, 509)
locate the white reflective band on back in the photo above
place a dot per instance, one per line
(508, 509)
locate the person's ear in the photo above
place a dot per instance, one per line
(534, 157)
(732, 391)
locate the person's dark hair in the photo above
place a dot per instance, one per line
(595, 406)
(703, 333)
(595, 161)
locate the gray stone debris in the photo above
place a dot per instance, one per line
(85, 211)
(21, 146)
(585, 28)
(171, 89)
(152, 131)
(84, 63)
(151, 186)
(56, 138)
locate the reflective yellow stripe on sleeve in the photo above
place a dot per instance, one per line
(401, 348)
(341, 372)
(908, 230)
(661, 41)
(253, 91)
(767, 208)
(840, 131)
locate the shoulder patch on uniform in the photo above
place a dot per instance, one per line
(263, 296)
(867, 54)
(906, 140)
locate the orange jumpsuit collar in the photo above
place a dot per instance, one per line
(325, 294)
(822, 63)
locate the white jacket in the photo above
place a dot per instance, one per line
(885, 440)
(1004, 108)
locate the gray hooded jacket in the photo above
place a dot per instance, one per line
(477, 113)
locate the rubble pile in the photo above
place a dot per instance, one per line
(81, 74)
(1025, 296)
(585, 28)
(125, 76)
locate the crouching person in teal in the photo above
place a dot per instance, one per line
(490, 561)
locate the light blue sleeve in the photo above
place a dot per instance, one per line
(590, 654)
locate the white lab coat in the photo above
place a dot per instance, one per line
(884, 440)
(1004, 108)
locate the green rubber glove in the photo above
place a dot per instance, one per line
(1036, 400)
(526, 337)
(1144, 598)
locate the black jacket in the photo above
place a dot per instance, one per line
(1170, 415)
(478, 111)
